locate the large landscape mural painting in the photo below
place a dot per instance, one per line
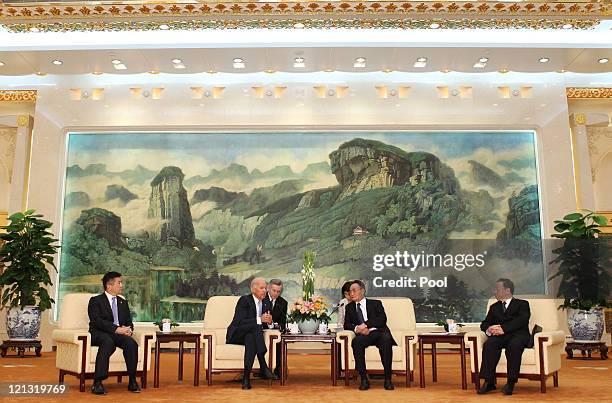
(186, 216)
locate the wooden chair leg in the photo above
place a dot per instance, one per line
(119, 378)
(61, 376)
(82, 382)
(556, 379)
(543, 384)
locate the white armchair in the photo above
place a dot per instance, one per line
(75, 354)
(220, 357)
(402, 323)
(537, 363)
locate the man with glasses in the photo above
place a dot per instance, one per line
(367, 318)
(507, 325)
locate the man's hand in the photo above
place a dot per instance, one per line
(266, 318)
(495, 330)
(125, 330)
(361, 329)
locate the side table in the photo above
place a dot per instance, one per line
(309, 338)
(181, 338)
(433, 338)
(585, 348)
(20, 346)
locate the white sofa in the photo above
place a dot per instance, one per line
(538, 363)
(75, 354)
(220, 357)
(402, 323)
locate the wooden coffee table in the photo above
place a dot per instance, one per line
(442, 337)
(585, 348)
(180, 337)
(308, 338)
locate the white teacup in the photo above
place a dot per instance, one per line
(453, 328)
(293, 328)
(323, 328)
(166, 327)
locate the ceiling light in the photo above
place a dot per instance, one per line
(41, 73)
(544, 60)
(435, 25)
(445, 70)
(238, 63)
(387, 71)
(298, 25)
(116, 61)
(1, 63)
(603, 60)
(420, 62)
(359, 63)
(96, 73)
(34, 29)
(211, 72)
(164, 26)
(153, 71)
(567, 26)
(483, 60)
(120, 66)
(481, 63)
(57, 62)
(299, 62)
(270, 71)
(177, 61)
(329, 70)
(503, 71)
(178, 65)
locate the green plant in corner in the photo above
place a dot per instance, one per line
(582, 259)
(27, 248)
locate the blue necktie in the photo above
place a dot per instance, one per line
(115, 312)
(359, 314)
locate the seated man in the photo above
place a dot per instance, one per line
(110, 325)
(278, 306)
(246, 329)
(368, 320)
(507, 325)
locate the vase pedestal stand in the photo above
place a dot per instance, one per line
(20, 346)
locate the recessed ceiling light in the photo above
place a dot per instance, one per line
(483, 60)
(57, 62)
(298, 25)
(41, 73)
(567, 26)
(153, 71)
(603, 60)
(164, 26)
(329, 70)
(420, 62)
(238, 63)
(120, 66)
(270, 71)
(435, 25)
(387, 71)
(34, 29)
(445, 70)
(1, 63)
(177, 61)
(359, 63)
(503, 71)
(561, 71)
(116, 61)
(544, 60)
(211, 72)
(299, 62)
(96, 73)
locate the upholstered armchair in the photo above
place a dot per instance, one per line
(75, 354)
(402, 323)
(537, 363)
(220, 357)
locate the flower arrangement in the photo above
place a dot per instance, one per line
(308, 275)
(314, 308)
(160, 323)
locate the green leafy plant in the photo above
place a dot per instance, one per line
(445, 324)
(582, 259)
(160, 322)
(308, 275)
(27, 248)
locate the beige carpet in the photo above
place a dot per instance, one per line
(309, 381)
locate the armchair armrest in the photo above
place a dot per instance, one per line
(273, 335)
(140, 334)
(474, 341)
(343, 335)
(70, 336)
(552, 337)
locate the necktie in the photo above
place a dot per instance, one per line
(359, 314)
(258, 308)
(504, 305)
(115, 312)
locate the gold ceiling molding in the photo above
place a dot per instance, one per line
(18, 95)
(588, 93)
(129, 15)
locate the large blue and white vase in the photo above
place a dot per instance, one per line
(586, 325)
(23, 324)
(308, 326)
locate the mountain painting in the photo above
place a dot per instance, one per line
(186, 216)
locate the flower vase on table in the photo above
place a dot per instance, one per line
(309, 313)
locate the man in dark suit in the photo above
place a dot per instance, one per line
(367, 318)
(246, 328)
(507, 325)
(279, 312)
(110, 325)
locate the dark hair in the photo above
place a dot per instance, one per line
(359, 282)
(108, 277)
(345, 287)
(507, 284)
(276, 281)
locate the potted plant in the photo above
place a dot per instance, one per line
(28, 247)
(309, 314)
(583, 261)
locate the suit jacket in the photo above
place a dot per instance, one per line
(279, 311)
(514, 321)
(244, 314)
(376, 316)
(101, 314)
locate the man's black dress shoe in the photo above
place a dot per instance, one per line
(267, 374)
(389, 384)
(365, 384)
(486, 388)
(508, 388)
(98, 388)
(246, 383)
(133, 386)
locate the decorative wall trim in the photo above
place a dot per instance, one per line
(588, 93)
(174, 14)
(17, 95)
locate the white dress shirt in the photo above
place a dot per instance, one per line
(258, 314)
(364, 312)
